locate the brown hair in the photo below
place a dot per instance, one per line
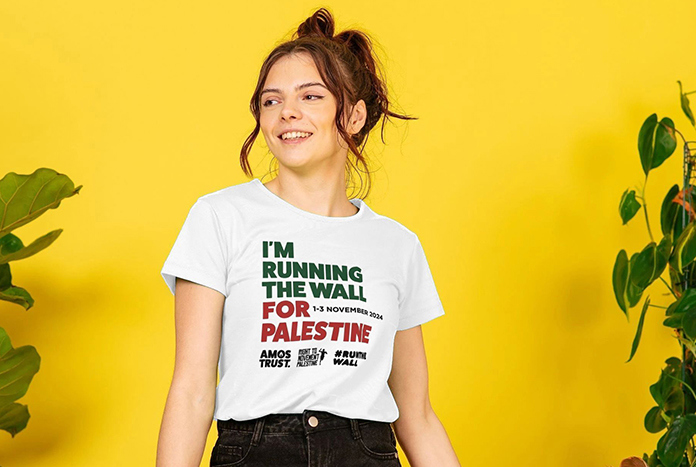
(351, 72)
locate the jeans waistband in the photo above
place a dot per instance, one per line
(307, 421)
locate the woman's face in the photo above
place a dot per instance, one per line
(294, 97)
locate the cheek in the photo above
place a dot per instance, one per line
(265, 127)
(328, 126)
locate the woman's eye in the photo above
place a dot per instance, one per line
(268, 101)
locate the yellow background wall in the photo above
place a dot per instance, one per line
(529, 115)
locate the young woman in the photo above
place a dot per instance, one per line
(310, 302)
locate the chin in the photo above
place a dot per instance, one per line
(295, 162)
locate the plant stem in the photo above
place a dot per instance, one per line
(676, 131)
(684, 383)
(670, 288)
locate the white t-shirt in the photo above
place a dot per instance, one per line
(312, 302)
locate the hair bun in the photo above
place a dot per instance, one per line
(321, 23)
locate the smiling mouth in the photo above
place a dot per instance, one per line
(296, 139)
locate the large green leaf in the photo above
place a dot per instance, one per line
(688, 250)
(685, 105)
(687, 236)
(18, 295)
(674, 321)
(668, 213)
(643, 270)
(633, 292)
(639, 330)
(653, 421)
(661, 390)
(674, 404)
(665, 142)
(670, 309)
(656, 142)
(23, 198)
(645, 142)
(664, 249)
(14, 254)
(650, 263)
(14, 417)
(672, 445)
(682, 218)
(629, 206)
(17, 368)
(683, 315)
(620, 280)
(12, 293)
(689, 324)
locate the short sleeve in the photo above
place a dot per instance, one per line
(198, 254)
(420, 301)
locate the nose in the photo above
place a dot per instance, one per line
(289, 111)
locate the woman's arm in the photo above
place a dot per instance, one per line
(188, 412)
(418, 430)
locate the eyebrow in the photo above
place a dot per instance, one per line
(297, 88)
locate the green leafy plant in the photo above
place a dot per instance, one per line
(23, 198)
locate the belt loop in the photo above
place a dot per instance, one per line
(355, 428)
(258, 430)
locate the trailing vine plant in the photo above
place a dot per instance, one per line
(674, 392)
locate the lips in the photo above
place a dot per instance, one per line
(295, 140)
(294, 131)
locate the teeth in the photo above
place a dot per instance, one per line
(294, 134)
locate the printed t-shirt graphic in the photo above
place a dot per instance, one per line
(312, 303)
(287, 285)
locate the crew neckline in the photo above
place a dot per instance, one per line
(357, 202)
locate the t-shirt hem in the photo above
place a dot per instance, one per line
(171, 272)
(420, 318)
(341, 413)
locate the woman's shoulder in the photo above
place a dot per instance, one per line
(232, 195)
(392, 228)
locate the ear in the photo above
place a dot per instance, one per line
(357, 117)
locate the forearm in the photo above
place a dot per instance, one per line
(185, 426)
(424, 441)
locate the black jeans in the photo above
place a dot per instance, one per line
(311, 439)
